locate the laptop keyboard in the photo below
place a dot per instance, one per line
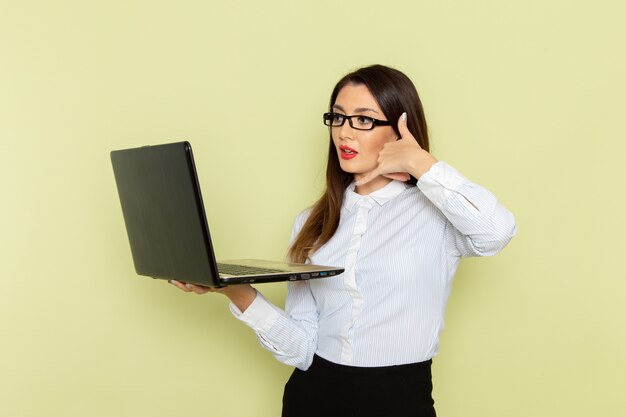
(230, 269)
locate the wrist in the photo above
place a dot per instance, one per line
(422, 164)
(242, 297)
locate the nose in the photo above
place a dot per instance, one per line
(345, 131)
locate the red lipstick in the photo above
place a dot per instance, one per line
(347, 152)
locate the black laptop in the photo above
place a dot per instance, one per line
(167, 225)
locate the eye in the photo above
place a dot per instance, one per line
(337, 118)
(364, 121)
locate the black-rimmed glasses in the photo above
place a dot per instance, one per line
(360, 122)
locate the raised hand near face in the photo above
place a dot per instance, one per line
(398, 159)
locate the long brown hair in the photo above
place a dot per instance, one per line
(395, 94)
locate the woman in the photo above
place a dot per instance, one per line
(398, 221)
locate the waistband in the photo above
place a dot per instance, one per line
(323, 364)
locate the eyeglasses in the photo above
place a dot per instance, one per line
(361, 122)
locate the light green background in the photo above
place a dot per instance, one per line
(524, 97)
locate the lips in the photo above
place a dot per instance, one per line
(347, 152)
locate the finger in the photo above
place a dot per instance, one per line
(400, 176)
(368, 177)
(405, 133)
(198, 289)
(179, 285)
(402, 126)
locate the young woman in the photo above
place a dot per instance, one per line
(399, 222)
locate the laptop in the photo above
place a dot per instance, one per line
(167, 226)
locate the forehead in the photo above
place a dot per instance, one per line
(356, 96)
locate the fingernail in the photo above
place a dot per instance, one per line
(189, 286)
(404, 117)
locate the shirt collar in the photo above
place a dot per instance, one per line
(381, 196)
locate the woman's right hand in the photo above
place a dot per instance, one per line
(241, 295)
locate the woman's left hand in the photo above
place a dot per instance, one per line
(402, 157)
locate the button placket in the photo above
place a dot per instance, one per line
(360, 227)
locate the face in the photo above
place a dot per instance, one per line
(358, 150)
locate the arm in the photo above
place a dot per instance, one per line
(479, 225)
(290, 335)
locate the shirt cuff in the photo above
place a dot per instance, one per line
(260, 315)
(439, 182)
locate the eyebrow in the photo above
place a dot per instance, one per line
(357, 110)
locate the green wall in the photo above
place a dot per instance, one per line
(524, 97)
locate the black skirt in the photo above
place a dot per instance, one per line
(328, 390)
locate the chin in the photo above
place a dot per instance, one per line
(354, 167)
(349, 169)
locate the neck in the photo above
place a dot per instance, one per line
(374, 185)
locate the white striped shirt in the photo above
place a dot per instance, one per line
(400, 247)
